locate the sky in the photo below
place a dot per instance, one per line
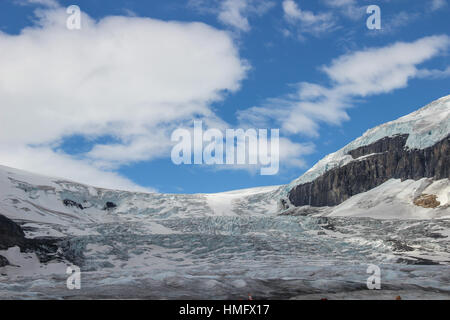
(98, 104)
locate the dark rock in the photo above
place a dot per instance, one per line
(323, 220)
(387, 144)
(301, 211)
(390, 159)
(73, 250)
(417, 261)
(109, 205)
(283, 204)
(435, 235)
(330, 227)
(71, 203)
(325, 223)
(11, 234)
(398, 245)
(3, 261)
(45, 248)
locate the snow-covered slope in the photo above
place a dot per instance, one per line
(394, 199)
(31, 198)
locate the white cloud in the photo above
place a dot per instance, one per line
(382, 70)
(291, 10)
(434, 73)
(307, 21)
(290, 155)
(234, 13)
(127, 77)
(393, 23)
(44, 160)
(349, 8)
(359, 74)
(48, 3)
(438, 4)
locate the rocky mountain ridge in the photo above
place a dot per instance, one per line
(376, 163)
(415, 146)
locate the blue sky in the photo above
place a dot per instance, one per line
(97, 105)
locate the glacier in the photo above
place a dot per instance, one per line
(212, 246)
(234, 244)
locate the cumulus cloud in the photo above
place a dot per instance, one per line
(126, 77)
(359, 74)
(307, 22)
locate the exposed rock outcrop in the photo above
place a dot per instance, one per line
(3, 261)
(109, 205)
(45, 248)
(11, 234)
(427, 201)
(374, 164)
(71, 203)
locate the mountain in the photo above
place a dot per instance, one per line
(383, 199)
(399, 170)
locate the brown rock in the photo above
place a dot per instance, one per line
(427, 201)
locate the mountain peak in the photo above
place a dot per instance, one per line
(424, 127)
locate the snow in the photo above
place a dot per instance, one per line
(394, 200)
(27, 264)
(37, 202)
(221, 203)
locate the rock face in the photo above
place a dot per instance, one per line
(427, 201)
(3, 261)
(71, 203)
(380, 161)
(46, 249)
(109, 205)
(11, 234)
